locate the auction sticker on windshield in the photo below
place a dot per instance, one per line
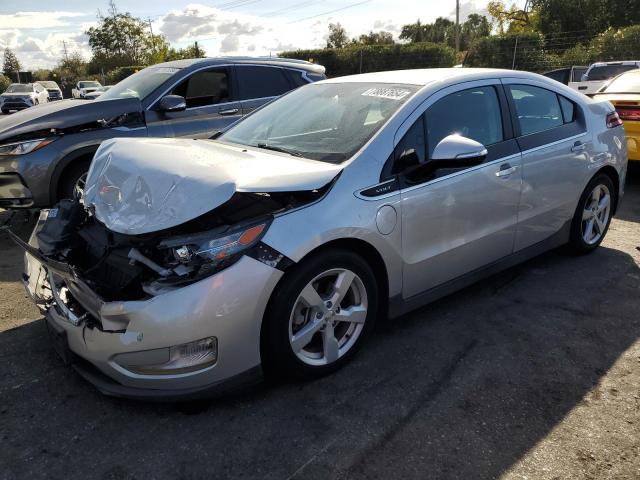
(389, 93)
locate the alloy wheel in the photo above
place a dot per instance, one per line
(328, 317)
(78, 188)
(595, 215)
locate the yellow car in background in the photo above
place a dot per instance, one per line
(624, 93)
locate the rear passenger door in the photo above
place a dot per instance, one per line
(259, 84)
(211, 106)
(552, 135)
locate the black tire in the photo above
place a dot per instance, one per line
(5, 112)
(70, 177)
(278, 357)
(577, 242)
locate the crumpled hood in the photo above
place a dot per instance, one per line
(142, 185)
(67, 114)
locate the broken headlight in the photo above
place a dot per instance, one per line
(192, 257)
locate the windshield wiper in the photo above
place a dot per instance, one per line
(275, 148)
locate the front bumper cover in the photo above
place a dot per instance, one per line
(228, 305)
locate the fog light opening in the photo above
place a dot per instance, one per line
(185, 358)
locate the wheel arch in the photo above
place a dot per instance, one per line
(80, 154)
(612, 173)
(361, 248)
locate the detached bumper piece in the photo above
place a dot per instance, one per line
(14, 193)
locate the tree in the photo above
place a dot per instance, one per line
(11, 63)
(413, 32)
(192, 51)
(337, 36)
(510, 19)
(121, 39)
(374, 38)
(476, 26)
(587, 17)
(4, 83)
(70, 69)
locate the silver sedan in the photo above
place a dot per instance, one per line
(191, 266)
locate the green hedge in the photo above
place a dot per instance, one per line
(498, 52)
(376, 58)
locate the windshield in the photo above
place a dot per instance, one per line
(140, 84)
(19, 88)
(608, 71)
(627, 83)
(89, 84)
(49, 84)
(326, 121)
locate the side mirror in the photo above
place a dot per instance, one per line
(457, 147)
(172, 103)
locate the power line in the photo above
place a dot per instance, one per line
(295, 6)
(330, 11)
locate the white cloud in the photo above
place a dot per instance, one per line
(36, 20)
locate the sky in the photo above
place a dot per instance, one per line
(38, 33)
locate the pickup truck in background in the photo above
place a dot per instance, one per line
(599, 73)
(83, 87)
(567, 75)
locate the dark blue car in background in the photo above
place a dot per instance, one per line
(45, 151)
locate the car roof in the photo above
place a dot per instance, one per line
(274, 61)
(424, 76)
(624, 62)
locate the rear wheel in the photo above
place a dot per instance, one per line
(319, 316)
(593, 215)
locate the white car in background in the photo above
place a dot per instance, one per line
(19, 96)
(96, 93)
(83, 87)
(600, 73)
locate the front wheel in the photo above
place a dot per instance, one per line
(593, 215)
(73, 180)
(319, 316)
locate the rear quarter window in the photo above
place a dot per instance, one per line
(260, 82)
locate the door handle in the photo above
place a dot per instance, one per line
(505, 170)
(578, 146)
(231, 111)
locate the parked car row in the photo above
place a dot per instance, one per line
(185, 98)
(592, 79)
(187, 267)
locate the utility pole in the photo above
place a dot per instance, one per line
(197, 51)
(64, 45)
(457, 25)
(153, 43)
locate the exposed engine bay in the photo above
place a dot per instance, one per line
(131, 267)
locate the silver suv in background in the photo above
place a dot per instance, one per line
(19, 96)
(53, 89)
(600, 73)
(192, 265)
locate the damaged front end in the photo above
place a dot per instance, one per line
(86, 264)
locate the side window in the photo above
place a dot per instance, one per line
(568, 109)
(473, 113)
(412, 148)
(205, 88)
(537, 109)
(296, 78)
(260, 82)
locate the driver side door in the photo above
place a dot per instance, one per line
(211, 106)
(458, 219)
